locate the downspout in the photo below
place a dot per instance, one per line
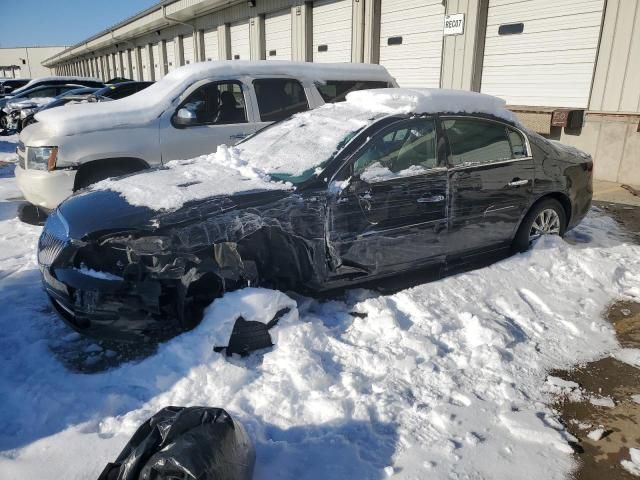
(196, 50)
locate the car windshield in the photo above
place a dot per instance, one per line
(295, 149)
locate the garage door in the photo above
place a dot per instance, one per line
(277, 33)
(171, 55)
(411, 41)
(156, 61)
(187, 48)
(332, 31)
(541, 53)
(240, 41)
(126, 73)
(211, 44)
(146, 63)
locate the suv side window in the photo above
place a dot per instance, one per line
(474, 141)
(217, 103)
(405, 150)
(42, 93)
(279, 98)
(333, 91)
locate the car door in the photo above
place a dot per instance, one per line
(215, 113)
(491, 179)
(390, 212)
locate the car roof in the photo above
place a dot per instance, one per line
(430, 100)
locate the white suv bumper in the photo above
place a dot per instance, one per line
(45, 189)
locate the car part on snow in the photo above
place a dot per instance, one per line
(187, 443)
(248, 336)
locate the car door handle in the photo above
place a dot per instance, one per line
(239, 136)
(432, 199)
(517, 183)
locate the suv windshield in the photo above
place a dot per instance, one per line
(295, 149)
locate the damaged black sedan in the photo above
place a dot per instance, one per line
(387, 182)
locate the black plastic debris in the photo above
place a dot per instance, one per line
(186, 443)
(248, 336)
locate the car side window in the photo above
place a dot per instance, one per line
(42, 93)
(333, 91)
(475, 141)
(279, 98)
(217, 103)
(406, 150)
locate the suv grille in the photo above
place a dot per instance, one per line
(21, 151)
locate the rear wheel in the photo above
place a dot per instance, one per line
(545, 218)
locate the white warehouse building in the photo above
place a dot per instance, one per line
(569, 69)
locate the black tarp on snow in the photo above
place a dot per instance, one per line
(186, 443)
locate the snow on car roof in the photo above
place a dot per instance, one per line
(37, 81)
(148, 104)
(430, 100)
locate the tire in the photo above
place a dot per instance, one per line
(523, 238)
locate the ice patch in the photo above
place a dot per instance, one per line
(534, 427)
(630, 356)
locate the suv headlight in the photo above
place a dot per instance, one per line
(42, 158)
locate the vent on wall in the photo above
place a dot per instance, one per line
(511, 29)
(323, 48)
(272, 53)
(236, 57)
(394, 41)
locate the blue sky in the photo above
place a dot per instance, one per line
(60, 22)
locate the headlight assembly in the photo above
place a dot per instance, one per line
(42, 158)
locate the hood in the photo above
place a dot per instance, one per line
(117, 215)
(35, 135)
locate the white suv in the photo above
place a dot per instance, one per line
(186, 114)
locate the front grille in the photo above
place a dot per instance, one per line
(53, 239)
(21, 152)
(49, 247)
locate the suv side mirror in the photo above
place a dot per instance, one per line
(185, 117)
(357, 185)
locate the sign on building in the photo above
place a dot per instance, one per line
(454, 24)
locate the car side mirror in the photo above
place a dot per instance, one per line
(357, 185)
(185, 117)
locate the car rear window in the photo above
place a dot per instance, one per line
(336, 90)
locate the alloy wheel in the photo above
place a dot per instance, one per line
(546, 223)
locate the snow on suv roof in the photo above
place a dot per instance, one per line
(144, 106)
(430, 100)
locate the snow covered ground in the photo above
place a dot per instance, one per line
(444, 380)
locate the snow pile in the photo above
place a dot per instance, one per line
(632, 466)
(443, 380)
(181, 181)
(287, 152)
(431, 100)
(630, 356)
(8, 146)
(597, 434)
(148, 104)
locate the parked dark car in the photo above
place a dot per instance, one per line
(121, 90)
(15, 110)
(394, 192)
(39, 84)
(77, 95)
(8, 85)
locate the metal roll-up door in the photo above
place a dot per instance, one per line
(332, 26)
(156, 61)
(126, 73)
(211, 44)
(541, 52)
(277, 33)
(171, 55)
(146, 65)
(411, 41)
(187, 48)
(240, 41)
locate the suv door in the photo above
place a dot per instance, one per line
(392, 214)
(491, 178)
(219, 116)
(279, 98)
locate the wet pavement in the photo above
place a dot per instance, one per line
(603, 412)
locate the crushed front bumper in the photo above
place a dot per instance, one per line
(106, 308)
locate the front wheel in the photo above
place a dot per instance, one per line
(545, 218)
